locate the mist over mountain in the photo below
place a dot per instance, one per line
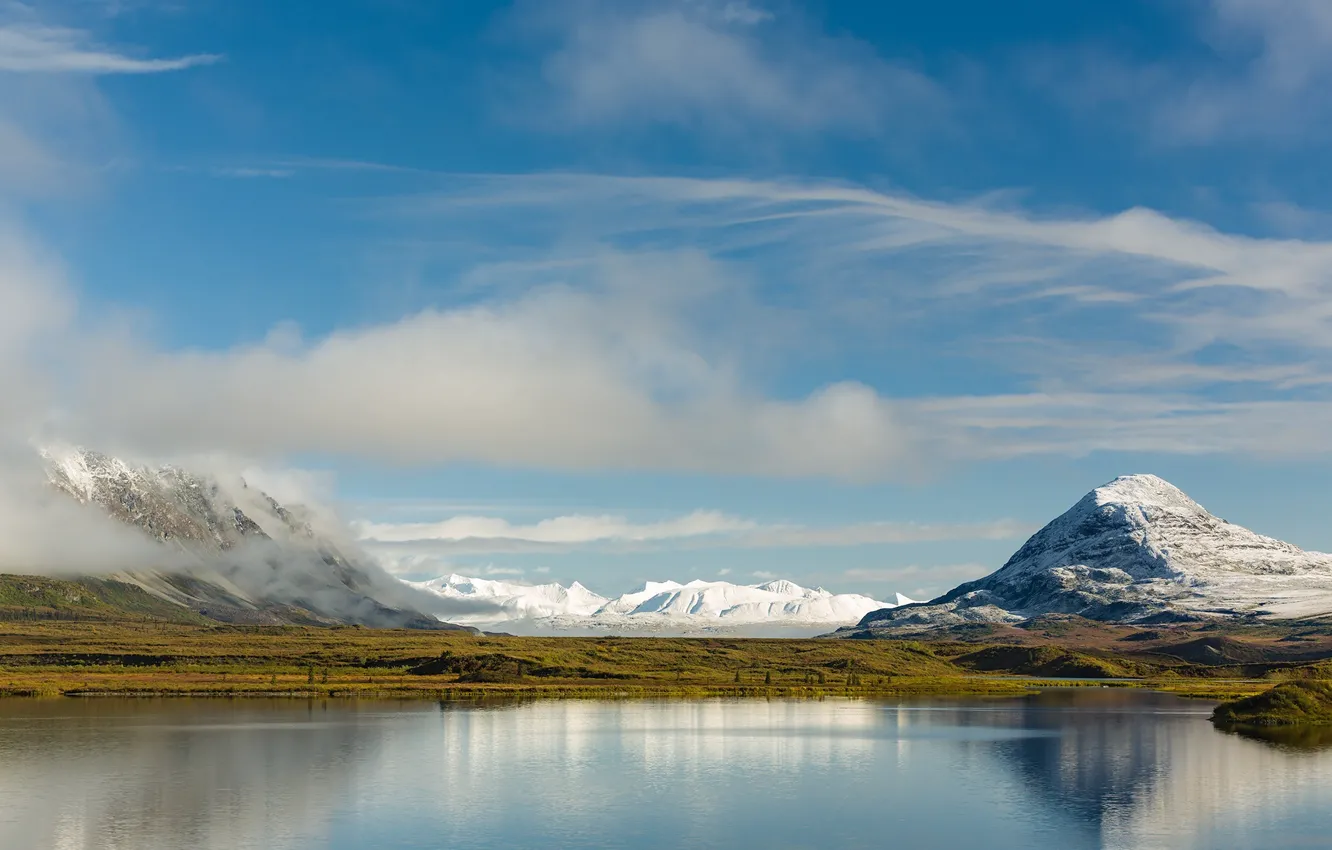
(215, 545)
(1139, 550)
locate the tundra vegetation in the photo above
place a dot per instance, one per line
(1297, 703)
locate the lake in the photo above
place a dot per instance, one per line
(1074, 768)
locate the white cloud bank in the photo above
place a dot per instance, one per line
(561, 530)
(558, 379)
(661, 359)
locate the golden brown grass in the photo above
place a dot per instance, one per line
(157, 658)
(98, 658)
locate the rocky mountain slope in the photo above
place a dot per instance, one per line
(1135, 550)
(232, 553)
(666, 607)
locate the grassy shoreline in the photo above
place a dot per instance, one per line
(84, 687)
(154, 659)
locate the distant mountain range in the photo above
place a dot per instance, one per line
(229, 552)
(666, 607)
(1135, 550)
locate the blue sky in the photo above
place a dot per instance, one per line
(854, 294)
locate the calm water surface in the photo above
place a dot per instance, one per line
(1096, 768)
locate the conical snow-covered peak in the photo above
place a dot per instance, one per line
(1145, 491)
(1147, 528)
(1137, 548)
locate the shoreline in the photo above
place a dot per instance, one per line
(156, 659)
(79, 687)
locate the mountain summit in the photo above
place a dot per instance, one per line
(1137, 549)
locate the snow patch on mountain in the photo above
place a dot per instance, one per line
(1136, 549)
(659, 607)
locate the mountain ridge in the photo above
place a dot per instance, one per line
(1136, 549)
(230, 552)
(697, 606)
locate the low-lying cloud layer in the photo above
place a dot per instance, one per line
(477, 535)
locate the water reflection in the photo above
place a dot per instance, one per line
(1071, 769)
(1309, 739)
(211, 774)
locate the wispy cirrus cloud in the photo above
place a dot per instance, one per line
(1118, 332)
(57, 128)
(27, 46)
(249, 173)
(1174, 286)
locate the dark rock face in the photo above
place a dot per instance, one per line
(168, 504)
(1135, 550)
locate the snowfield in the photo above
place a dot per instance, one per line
(666, 607)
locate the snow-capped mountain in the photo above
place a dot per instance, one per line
(1136, 549)
(230, 551)
(168, 503)
(502, 600)
(659, 607)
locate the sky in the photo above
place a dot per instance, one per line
(858, 295)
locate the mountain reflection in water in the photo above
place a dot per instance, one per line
(1087, 767)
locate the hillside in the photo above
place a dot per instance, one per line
(42, 598)
(1297, 703)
